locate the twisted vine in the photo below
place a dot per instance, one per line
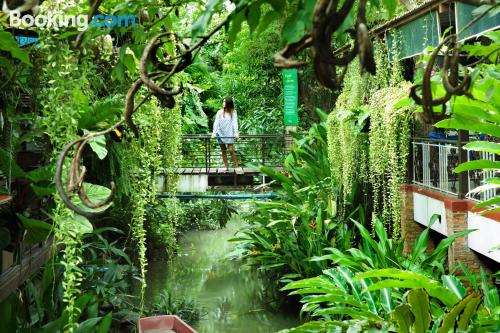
(450, 73)
(155, 81)
(327, 18)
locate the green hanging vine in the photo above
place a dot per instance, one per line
(348, 144)
(157, 153)
(368, 137)
(61, 97)
(389, 148)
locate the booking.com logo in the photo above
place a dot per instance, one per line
(56, 22)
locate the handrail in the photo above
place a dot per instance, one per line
(435, 140)
(242, 136)
(202, 151)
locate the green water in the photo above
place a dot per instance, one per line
(235, 299)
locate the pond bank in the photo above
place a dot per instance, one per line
(234, 299)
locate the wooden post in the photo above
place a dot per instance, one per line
(463, 183)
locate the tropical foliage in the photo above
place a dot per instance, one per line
(334, 233)
(287, 232)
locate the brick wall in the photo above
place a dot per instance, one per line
(456, 220)
(459, 251)
(410, 230)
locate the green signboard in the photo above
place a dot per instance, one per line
(291, 96)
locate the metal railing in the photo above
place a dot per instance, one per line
(203, 151)
(433, 162)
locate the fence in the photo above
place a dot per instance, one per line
(203, 151)
(434, 161)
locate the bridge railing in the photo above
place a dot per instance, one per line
(203, 151)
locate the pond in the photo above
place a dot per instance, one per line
(234, 299)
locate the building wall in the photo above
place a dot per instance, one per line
(456, 215)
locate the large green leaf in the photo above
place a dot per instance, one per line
(203, 20)
(96, 194)
(490, 202)
(36, 231)
(105, 323)
(451, 317)
(470, 124)
(468, 312)
(403, 316)
(8, 165)
(442, 249)
(235, 26)
(484, 146)
(453, 283)
(295, 27)
(391, 6)
(9, 44)
(418, 300)
(396, 278)
(98, 145)
(477, 165)
(266, 21)
(253, 16)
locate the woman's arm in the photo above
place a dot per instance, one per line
(235, 124)
(216, 124)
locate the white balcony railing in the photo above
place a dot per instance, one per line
(434, 161)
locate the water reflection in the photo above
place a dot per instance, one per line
(235, 299)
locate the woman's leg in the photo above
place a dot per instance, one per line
(233, 155)
(224, 155)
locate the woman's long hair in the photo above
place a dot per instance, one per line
(229, 106)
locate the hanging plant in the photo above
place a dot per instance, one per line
(61, 104)
(390, 134)
(156, 153)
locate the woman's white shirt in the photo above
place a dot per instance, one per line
(221, 114)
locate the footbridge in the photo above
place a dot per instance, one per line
(202, 165)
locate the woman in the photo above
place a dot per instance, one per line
(226, 130)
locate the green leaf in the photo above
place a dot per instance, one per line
(470, 124)
(469, 311)
(386, 300)
(442, 249)
(235, 27)
(490, 202)
(80, 225)
(9, 44)
(253, 16)
(43, 191)
(269, 18)
(403, 316)
(484, 146)
(391, 6)
(98, 145)
(419, 306)
(278, 5)
(36, 231)
(411, 280)
(95, 193)
(476, 165)
(454, 284)
(105, 323)
(8, 165)
(88, 326)
(294, 27)
(42, 173)
(451, 317)
(203, 20)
